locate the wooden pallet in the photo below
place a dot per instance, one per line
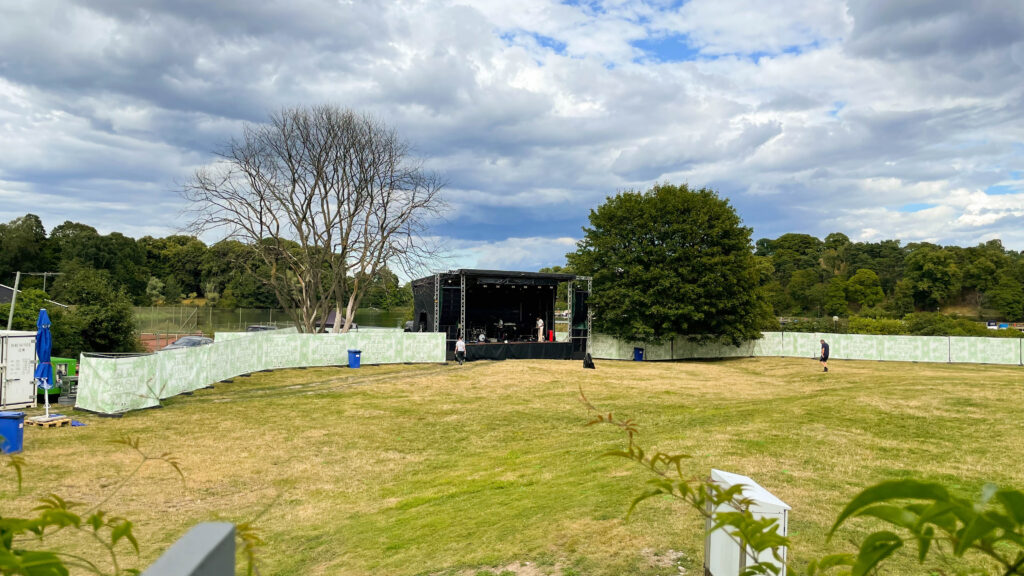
(51, 422)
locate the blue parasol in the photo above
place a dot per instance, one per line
(44, 343)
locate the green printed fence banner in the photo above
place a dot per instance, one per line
(115, 385)
(841, 346)
(222, 336)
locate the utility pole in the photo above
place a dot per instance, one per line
(14, 295)
(44, 275)
(14, 298)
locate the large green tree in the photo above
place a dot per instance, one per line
(1007, 297)
(672, 262)
(22, 247)
(933, 275)
(864, 288)
(102, 318)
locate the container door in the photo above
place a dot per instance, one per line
(19, 388)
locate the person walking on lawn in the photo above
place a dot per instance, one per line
(824, 354)
(460, 350)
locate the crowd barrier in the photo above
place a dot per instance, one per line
(955, 349)
(113, 385)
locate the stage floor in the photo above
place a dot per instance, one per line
(519, 351)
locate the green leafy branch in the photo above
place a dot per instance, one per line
(55, 514)
(135, 444)
(726, 508)
(937, 520)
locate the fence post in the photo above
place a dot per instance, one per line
(208, 549)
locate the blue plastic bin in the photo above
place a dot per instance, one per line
(638, 354)
(12, 428)
(353, 358)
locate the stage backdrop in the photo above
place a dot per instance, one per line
(841, 346)
(111, 385)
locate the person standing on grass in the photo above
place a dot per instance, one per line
(824, 354)
(460, 350)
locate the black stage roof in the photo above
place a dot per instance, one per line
(470, 273)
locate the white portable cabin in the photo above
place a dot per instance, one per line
(721, 551)
(17, 369)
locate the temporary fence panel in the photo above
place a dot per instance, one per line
(685, 349)
(841, 346)
(985, 350)
(115, 385)
(222, 336)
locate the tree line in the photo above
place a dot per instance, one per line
(150, 271)
(886, 279)
(102, 276)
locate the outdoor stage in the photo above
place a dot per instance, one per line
(497, 313)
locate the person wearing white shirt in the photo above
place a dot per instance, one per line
(460, 350)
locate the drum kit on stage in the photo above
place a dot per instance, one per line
(502, 332)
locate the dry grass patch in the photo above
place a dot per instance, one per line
(404, 470)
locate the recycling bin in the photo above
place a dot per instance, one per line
(354, 357)
(12, 428)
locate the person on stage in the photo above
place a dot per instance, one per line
(540, 329)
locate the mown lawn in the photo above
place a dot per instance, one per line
(432, 469)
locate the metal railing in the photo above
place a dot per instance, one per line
(208, 549)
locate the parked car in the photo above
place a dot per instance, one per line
(409, 326)
(328, 325)
(188, 342)
(259, 328)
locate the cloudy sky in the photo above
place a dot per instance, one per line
(875, 118)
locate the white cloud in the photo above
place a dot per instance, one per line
(813, 117)
(527, 254)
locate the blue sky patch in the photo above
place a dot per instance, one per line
(1001, 189)
(548, 42)
(915, 207)
(675, 48)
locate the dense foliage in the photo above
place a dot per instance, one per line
(672, 262)
(151, 271)
(102, 276)
(98, 320)
(839, 277)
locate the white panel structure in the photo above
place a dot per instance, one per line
(721, 551)
(17, 369)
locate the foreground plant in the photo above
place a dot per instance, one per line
(987, 531)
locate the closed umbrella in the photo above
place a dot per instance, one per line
(44, 343)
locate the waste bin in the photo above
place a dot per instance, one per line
(353, 358)
(12, 428)
(638, 354)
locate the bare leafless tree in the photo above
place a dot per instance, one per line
(327, 198)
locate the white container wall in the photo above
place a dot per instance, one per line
(17, 369)
(721, 551)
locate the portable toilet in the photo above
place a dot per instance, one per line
(721, 552)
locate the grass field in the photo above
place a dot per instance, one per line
(437, 469)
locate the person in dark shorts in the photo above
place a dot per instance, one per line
(824, 355)
(460, 350)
